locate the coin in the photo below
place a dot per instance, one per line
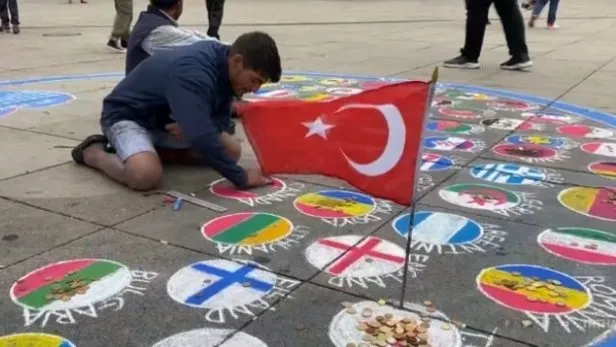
(384, 329)
(399, 330)
(392, 340)
(351, 344)
(526, 323)
(516, 274)
(246, 284)
(445, 326)
(531, 298)
(561, 303)
(369, 260)
(48, 278)
(362, 327)
(366, 312)
(351, 310)
(65, 298)
(374, 324)
(421, 329)
(381, 302)
(431, 309)
(427, 303)
(425, 319)
(389, 316)
(347, 304)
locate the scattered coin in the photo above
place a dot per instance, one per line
(300, 327)
(48, 278)
(381, 302)
(367, 313)
(369, 260)
(347, 304)
(531, 298)
(427, 303)
(164, 242)
(446, 326)
(246, 284)
(526, 323)
(351, 310)
(351, 344)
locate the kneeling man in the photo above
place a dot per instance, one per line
(195, 84)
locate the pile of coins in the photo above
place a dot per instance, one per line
(66, 290)
(536, 290)
(389, 331)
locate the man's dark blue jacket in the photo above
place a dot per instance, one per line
(191, 83)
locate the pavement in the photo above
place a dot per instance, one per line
(514, 236)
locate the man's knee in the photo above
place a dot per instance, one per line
(144, 171)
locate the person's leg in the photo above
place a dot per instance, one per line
(513, 25)
(14, 12)
(539, 5)
(552, 13)
(124, 10)
(215, 9)
(127, 9)
(4, 15)
(135, 162)
(475, 31)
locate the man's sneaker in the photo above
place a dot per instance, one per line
(531, 21)
(518, 62)
(552, 26)
(16, 29)
(114, 45)
(5, 28)
(461, 62)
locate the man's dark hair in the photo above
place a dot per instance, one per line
(260, 54)
(164, 4)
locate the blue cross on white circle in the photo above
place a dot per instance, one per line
(509, 173)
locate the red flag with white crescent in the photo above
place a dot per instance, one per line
(371, 139)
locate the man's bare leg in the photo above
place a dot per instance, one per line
(142, 171)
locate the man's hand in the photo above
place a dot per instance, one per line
(175, 130)
(256, 178)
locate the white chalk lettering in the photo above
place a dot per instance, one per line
(281, 290)
(529, 206)
(116, 302)
(289, 191)
(299, 233)
(491, 238)
(382, 207)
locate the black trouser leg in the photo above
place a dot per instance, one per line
(4, 12)
(513, 25)
(477, 11)
(214, 16)
(14, 11)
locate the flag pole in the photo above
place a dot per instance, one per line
(413, 206)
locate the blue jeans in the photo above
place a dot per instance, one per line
(551, 12)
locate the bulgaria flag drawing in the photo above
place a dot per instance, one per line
(70, 284)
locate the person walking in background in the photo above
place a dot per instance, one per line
(9, 7)
(513, 24)
(214, 16)
(487, 19)
(551, 13)
(118, 41)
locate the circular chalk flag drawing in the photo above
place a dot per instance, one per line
(220, 283)
(335, 204)
(435, 162)
(34, 340)
(350, 256)
(585, 131)
(343, 330)
(512, 174)
(225, 189)
(592, 202)
(70, 284)
(210, 337)
(605, 169)
(584, 245)
(449, 143)
(525, 151)
(607, 149)
(439, 228)
(547, 117)
(549, 141)
(534, 289)
(13, 100)
(480, 196)
(453, 127)
(510, 105)
(247, 229)
(294, 79)
(459, 112)
(503, 123)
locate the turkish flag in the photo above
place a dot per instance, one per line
(371, 139)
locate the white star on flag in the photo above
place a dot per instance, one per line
(317, 128)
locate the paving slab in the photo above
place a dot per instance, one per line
(28, 231)
(490, 289)
(124, 280)
(85, 194)
(336, 325)
(265, 228)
